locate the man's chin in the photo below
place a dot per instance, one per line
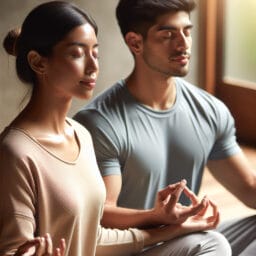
(184, 71)
(181, 73)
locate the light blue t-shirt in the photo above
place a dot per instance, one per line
(152, 149)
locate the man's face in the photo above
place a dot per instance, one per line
(167, 47)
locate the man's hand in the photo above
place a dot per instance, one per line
(203, 221)
(167, 210)
(207, 218)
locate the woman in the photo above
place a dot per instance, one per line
(52, 194)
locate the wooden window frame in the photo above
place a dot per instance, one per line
(239, 96)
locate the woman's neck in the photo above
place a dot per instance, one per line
(45, 114)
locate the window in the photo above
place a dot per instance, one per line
(230, 60)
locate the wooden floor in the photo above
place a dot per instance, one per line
(229, 206)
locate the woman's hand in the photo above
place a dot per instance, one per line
(41, 246)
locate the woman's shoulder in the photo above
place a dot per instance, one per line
(15, 145)
(82, 133)
(11, 138)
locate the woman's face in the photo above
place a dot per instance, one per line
(72, 68)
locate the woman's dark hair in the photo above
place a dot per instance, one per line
(41, 30)
(139, 15)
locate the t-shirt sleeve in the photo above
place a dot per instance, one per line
(226, 144)
(105, 139)
(17, 203)
(115, 242)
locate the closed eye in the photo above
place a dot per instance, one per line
(76, 52)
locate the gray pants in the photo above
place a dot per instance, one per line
(240, 235)
(210, 243)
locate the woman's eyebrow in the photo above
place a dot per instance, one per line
(81, 44)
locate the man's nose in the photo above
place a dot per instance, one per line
(183, 42)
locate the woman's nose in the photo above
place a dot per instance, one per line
(92, 65)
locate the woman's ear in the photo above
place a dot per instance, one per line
(36, 62)
(134, 41)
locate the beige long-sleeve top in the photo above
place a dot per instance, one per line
(41, 193)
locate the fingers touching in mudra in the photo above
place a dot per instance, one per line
(168, 210)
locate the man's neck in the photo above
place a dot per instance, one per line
(155, 93)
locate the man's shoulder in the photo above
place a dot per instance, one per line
(106, 107)
(108, 99)
(205, 105)
(198, 94)
(187, 86)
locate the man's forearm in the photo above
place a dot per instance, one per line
(122, 218)
(166, 211)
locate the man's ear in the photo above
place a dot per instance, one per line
(36, 62)
(134, 42)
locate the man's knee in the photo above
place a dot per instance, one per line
(241, 234)
(208, 243)
(214, 243)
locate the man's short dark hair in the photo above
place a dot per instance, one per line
(139, 15)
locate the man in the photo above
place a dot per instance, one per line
(154, 128)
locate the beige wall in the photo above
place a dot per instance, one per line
(115, 59)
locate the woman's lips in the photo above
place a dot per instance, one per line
(91, 83)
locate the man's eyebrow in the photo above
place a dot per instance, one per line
(168, 27)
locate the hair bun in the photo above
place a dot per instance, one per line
(10, 40)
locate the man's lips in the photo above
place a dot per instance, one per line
(183, 59)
